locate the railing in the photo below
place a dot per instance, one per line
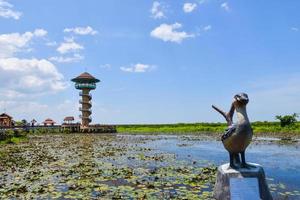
(89, 95)
(85, 110)
(85, 102)
(90, 118)
(74, 128)
(91, 86)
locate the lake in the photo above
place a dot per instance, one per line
(135, 167)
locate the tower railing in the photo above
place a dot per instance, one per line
(85, 110)
(90, 86)
(82, 117)
(82, 94)
(85, 102)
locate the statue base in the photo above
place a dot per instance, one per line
(241, 183)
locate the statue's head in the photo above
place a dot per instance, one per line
(241, 99)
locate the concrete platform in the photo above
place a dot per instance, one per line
(241, 184)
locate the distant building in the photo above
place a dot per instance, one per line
(69, 120)
(6, 120)
(49, 122)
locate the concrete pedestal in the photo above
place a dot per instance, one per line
(241, 184)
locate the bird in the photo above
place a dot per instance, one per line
(237, 136)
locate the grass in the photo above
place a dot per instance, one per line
(212, 129)
(172, 128)
(13, 136)
(259, 128)
(14, 140)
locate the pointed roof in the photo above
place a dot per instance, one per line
(5, 115)
(69, 118)
(49, 121)
(85, 77)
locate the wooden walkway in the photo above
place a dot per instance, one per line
(73, 128)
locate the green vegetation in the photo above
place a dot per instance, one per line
(20, 135)
(259, 128)
(172, 128)
(286, 128)
(287, 120)
(38, 131)
(100, 167)
(12, 137)
(14, 140)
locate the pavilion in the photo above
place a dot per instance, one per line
(6, 120)
(49, 122)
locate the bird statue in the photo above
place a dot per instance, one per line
(237, 136)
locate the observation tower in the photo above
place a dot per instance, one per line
(85, 82)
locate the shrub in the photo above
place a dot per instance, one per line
(287, 120)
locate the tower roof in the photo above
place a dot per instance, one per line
(85, 77)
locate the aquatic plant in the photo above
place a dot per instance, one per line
(81, 166)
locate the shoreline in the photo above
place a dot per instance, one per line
(281, 135)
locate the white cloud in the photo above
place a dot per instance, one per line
(81, 30)
(51, 43)
(157, 10)
(69, 45)
(29, 76)
(26, 78)
(7, 12)
(105, 66)
(225, 6)
(29, 109)
(138, 68)
(294, 29)
(207, 28)
(23, 108)
(69, 59)
(40, 32)
(168, 33)
(10, 94)
(189, 7)
(12, 43)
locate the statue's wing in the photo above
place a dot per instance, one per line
(229, 131)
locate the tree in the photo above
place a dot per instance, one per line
(287, 120)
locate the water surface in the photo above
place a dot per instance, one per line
(134, 166)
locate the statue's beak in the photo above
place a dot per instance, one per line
(244, 99)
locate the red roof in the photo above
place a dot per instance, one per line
(70, 118)
(85, 77)
(49, 121)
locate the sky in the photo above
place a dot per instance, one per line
(158, 61)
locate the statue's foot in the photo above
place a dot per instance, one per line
(233, 166)
(245, 165)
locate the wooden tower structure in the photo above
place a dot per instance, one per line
(85, 82)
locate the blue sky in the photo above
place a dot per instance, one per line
(159, 61)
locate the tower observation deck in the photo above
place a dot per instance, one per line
(85, 82)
